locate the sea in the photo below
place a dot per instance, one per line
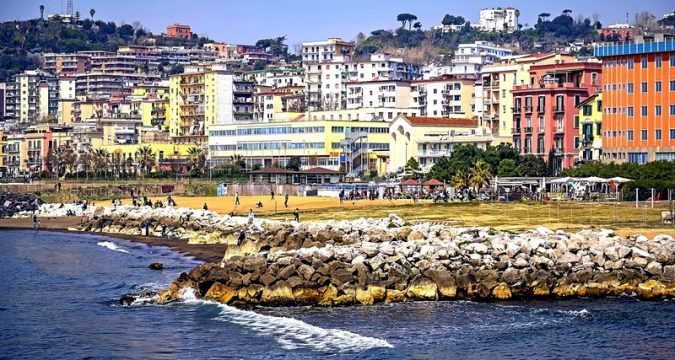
(59, 300)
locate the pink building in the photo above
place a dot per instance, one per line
(544, 113)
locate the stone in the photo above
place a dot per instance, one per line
(415, 235)
(364, 297)
(569, 257)
(521, 263)
(156, 266)
(422, 289)
(387, 249)
(394, 296)
(669, 273)
(305, 271)
(267, 279)
(501, 292)
(640, 262)
(220, 293)
(445, 283)
(542, 230)
(278, 294)
(377, 261)
(341, 276)
(654, 268)
(477, 248)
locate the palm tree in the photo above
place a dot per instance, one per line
(567, 12)
(42, 12)
(517, 13)
(145, 158)
(57, 160)
(460, 180)
(77, 17)
(196, 159)
(417, 25)
(101, 160)
(237, 162)
(480, 174)
(92, 12)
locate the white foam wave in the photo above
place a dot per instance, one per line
(292, 333)
(111, 245)
(579, 313)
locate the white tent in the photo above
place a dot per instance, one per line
(620, 180)
(594, 179)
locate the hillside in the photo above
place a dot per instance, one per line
(22, 41)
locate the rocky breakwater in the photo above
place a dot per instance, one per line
(426, 262)
(12, 204)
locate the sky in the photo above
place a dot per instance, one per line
(244, 22)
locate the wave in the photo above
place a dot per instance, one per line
(292, 333)
(111, 245)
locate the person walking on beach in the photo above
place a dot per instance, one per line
(296, 215)
(236, 199)
(272, 192)
(147, 228)
(206, 207)
(286, 200)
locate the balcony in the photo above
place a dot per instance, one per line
(528, 130)
(528, 109)
(559, 109)
(515, 131)
(560, 130)
(516, 110)
(434, 153)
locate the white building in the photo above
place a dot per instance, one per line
(470, 58)
(445, 96)
(378, 93)
(278, 77)
(66, 88)
(499, 19)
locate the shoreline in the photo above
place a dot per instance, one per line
(204, 253)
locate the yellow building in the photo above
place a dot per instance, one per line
(167, 155)
(354, 146)
(498, 82)
(204, 96)
(589, 121)
(428, 139)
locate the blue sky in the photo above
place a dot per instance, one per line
(304, 20)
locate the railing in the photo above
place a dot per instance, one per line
(516, 110)
(559, 109)
(434, 153)
(528, 130)
(515, 130)
(528, 109)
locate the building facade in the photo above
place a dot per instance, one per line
(638, 100)
(590, 128)
(545, 121)
(499, 19)
(445, 96)
(178, 31)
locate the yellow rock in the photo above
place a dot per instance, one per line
(394, 296)
(423, 289)
(328, 293)
(364, 297)
(540, 289)
(307, 296)
(565, 290)
(221, 293)
(377, 292)
(501, 292)
(278, 293)
(652, 289)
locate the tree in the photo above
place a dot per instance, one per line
(517, 13)
(453, 20)
(441, 170)
(417, 26)
(196, 160)
(101, 159)
(259, 65)
(145, 158)
(42, 12)
(480, 174)
(460, 180)
(92, 12)
(507, 167)
(126, 32)
(532, 166)
(77, 17)
(567, 12)
(544, 16)
(406, 18)
(412, 164)
(294, 163)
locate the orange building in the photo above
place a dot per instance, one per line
(178, 31)
(638, 117)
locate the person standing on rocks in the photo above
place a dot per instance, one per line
(206, 207)
(236, 199)
(296, 215)
(242, 236)
(286, 200)
(147, 228)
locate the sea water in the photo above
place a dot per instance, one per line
(59, 292)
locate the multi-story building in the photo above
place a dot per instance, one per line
(498, 19)
(638, 100)
(498, 82)
(445, 96)
(590, 128)
(3, 89)
(623, 32)
(322, 91)
(15, 153)
(428, 139)
(178, 31)
(67, 64)
(31, 96)
(102, 84)
(278, 77)
(469, 59)
(203, 96)
(544, 113)
(315, 142)
(269, 103)
(378, 93)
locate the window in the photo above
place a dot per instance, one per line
(643, 135)
(630, 64)
(576, 121)
(672, 134)
(657, 86)
(643, 111)
(629, 135)
(629, 111)
(672, 110)
(672, 60)
(577, 100)
(643, 87)
(598, 129)
(643, 62)
(599, 108)
(672, 85)
(630, 88)
(587, 110)
(637, 158)
(657, 134)
(657, 110)
(576, 142)
(657, 61)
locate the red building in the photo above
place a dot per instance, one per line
(623, 32)
(544, 113)
(178, 31)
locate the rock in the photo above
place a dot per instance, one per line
(501, 292)
(127, 299)
(422, 289)
(568, 257)
(477, 248)
(376, 262)
(358, 259)
(542, 230)
(394, 296)
(521, 263)
(444, 281)
(306, 271)
(364, 297)
(669, 273)
(221, 293)
(639, 262)
(654, 268)
(156, 266)
(387, 249)
(415, 235)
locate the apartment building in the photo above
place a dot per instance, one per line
(278, 77)
(499, 19)
(378, 93)
(31, 96)
(589, 119)
(428, 139)
(638, 117)
(323, 143)
(544, 112)
(269, 103)
(322, 91)
(105, 85)
(445, 96)
(206, 95)
(469, 59)
(498, 82)
(67, 64)
(14, 155)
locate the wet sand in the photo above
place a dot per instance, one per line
(206, 253)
